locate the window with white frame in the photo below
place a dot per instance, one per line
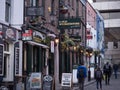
(6, 59)
(7, 10)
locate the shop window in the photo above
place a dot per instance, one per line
(6, 59)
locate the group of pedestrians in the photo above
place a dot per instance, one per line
(99, 75)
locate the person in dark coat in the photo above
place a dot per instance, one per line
(98, 77)
(107, 70)
(81, 79)
(115, 69)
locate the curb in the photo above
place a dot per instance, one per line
(88, 83)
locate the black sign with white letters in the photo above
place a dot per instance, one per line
(1, 59)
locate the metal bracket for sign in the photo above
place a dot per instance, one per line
(1, 59)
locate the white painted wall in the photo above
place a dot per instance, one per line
(17, 13)
(2, 10)
(16, 21)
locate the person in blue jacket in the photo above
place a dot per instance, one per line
(81, 75)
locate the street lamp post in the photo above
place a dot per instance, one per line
(89, 54)
(89, 72)
(56, 63)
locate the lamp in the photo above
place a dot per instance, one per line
(56, 41)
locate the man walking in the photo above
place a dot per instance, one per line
(115, 69)
(98, 77)
(107, 69)
(81, 75)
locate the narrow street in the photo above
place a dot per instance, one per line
(114, 85)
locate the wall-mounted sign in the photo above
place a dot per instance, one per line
(34, 11)
(76, 38)
(1, 59)
(69, 23)
(52, 46)
(27, 35)
(16, 61)
(37, 37)
(1, 31)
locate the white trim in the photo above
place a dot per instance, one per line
(38, 44)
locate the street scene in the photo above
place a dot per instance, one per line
(114, 85)
(59, 44)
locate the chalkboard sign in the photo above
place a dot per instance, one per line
(47, 82)
(1, 59)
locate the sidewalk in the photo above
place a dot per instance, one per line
(75, 87)
(86, 83)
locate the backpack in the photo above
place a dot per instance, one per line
(98, 74)
(107, 68)
(81, 73)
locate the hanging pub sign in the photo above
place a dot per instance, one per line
(9, 33)
(1, 59)
(37, 37)
(69, 23)
(27, 35)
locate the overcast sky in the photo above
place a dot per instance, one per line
(90, 1)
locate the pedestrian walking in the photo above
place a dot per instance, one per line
(98, 77)
(107, 70)
(81, 75)
(115, 69)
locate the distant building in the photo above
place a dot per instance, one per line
(110, 10)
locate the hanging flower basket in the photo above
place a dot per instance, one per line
(63, 9)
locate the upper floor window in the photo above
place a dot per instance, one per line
(115, 45)
(6, 46)
(34, 3)
(7, 10)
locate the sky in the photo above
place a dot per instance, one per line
(90, 1)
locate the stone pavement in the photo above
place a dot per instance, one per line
(91, 85)
(114, 84)
(75, 87)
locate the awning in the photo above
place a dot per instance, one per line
(38, 44)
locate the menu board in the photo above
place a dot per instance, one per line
(16, 61)
(1, 60)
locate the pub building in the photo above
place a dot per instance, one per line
(10, 60)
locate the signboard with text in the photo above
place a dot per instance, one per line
(66, 80)
(34, 11)
(16, 61)
(69, 23)
(47, 82)
(35, 81)
(27, 35)
(1, 59)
